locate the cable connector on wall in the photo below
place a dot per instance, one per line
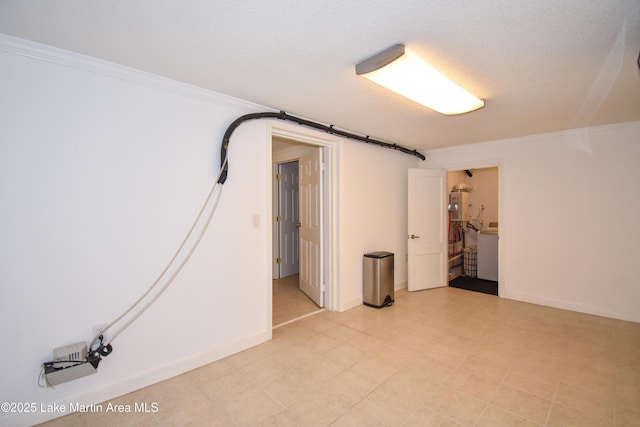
(73, 361)
(69, 363)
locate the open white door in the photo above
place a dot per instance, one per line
(427, 242)
(310, 175)
(288, 219)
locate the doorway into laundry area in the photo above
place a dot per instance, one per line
(473, 229)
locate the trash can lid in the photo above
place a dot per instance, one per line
(379, 254)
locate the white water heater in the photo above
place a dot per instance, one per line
(458, 204)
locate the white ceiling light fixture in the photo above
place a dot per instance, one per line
(411, 77)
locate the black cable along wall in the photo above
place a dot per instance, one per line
(284, 116)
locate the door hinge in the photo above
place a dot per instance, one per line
(278, 218)
(278, 176)
(278, 260)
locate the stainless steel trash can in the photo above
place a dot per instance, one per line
(378, 279)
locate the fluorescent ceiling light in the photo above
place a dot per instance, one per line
(409, 76)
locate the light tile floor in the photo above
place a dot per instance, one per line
(289, 302)
(442, 357)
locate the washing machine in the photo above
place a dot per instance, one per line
(488, 255)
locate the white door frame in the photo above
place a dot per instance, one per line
(330, 148)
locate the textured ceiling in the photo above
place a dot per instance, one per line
(541, 66)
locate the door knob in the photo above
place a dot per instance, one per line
(298, 225)
(413, 236)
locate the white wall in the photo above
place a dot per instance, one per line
(567, 209)
(102, 171)
(373, 205)
(371, 211)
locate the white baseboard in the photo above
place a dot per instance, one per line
(399, 286)
(572, 306)
(347, 305)
(358, 301)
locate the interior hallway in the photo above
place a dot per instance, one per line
(439, 357)
(289, 302)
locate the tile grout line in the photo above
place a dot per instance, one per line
(555, 393)
(492, 396)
